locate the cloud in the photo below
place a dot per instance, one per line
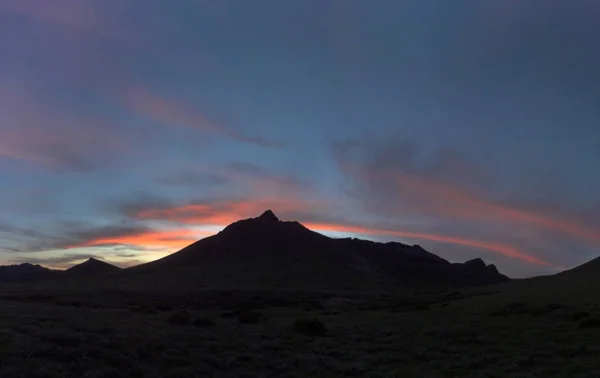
(224, 212)
(295, 200)
(70, 235)
(191, 178)
(134, 235)
(34, 131)
(445, 193)
(81, 15)
(17, 231)
(254, 179)
(392, 183)
(171, 113)
(174, 239)
(503, 249)
(63, 260)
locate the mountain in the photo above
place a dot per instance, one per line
(92, 267)
(24, 272)
(267, 252)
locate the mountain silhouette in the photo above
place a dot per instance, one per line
(267, 252)
(92, 267)
(24, 272)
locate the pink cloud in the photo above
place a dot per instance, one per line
(172, 113)
(445, 200)
(37, 132)
(225, 212)
(83, 15)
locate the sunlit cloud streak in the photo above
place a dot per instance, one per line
(405, 188)
(448, 200)
(36, 132)
(225, 213)
(171, 113)
(504, 249)
(80, 15)
(173, 240)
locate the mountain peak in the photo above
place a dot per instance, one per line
(268, 216)
(93, 266)
(478, 263)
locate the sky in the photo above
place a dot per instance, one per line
(131, 128)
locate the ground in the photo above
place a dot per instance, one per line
(500, 331)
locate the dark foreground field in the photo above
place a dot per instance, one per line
(502, 331)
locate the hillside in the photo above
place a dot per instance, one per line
(92, 267)
(267, 252)
(24, 272)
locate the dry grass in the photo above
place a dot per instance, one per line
(492, 332)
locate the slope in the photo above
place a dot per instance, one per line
(25, 272)
(267, 252)
(92, 267)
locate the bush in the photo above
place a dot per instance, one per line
(515, 306)
(590, 323)
(577, 316)
(143, 309)
(310, 327)
(312, 305)
(203, 322)
(164, 307)
(249, 318)
(553, 306)
(180, 318)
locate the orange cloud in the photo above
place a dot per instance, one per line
(176, 239)
(226, 213)
(192, 214)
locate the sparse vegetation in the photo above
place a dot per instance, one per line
(203, 322)
(104, 338)
(590, 323)
(310, 327)
(180, 318)
(249, 317)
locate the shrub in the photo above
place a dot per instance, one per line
(589, 323)
(312, 305)
(143, 309)
(249, 317)
(577, 316)
(515, 306)
(180, 318)
(203, 322)
(310, 327)
(545, 309)
(553, 306)
(164, 307)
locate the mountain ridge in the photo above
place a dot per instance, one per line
(92, 266)
(288, 254)
(265, 251)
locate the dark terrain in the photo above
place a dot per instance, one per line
(266, 298)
